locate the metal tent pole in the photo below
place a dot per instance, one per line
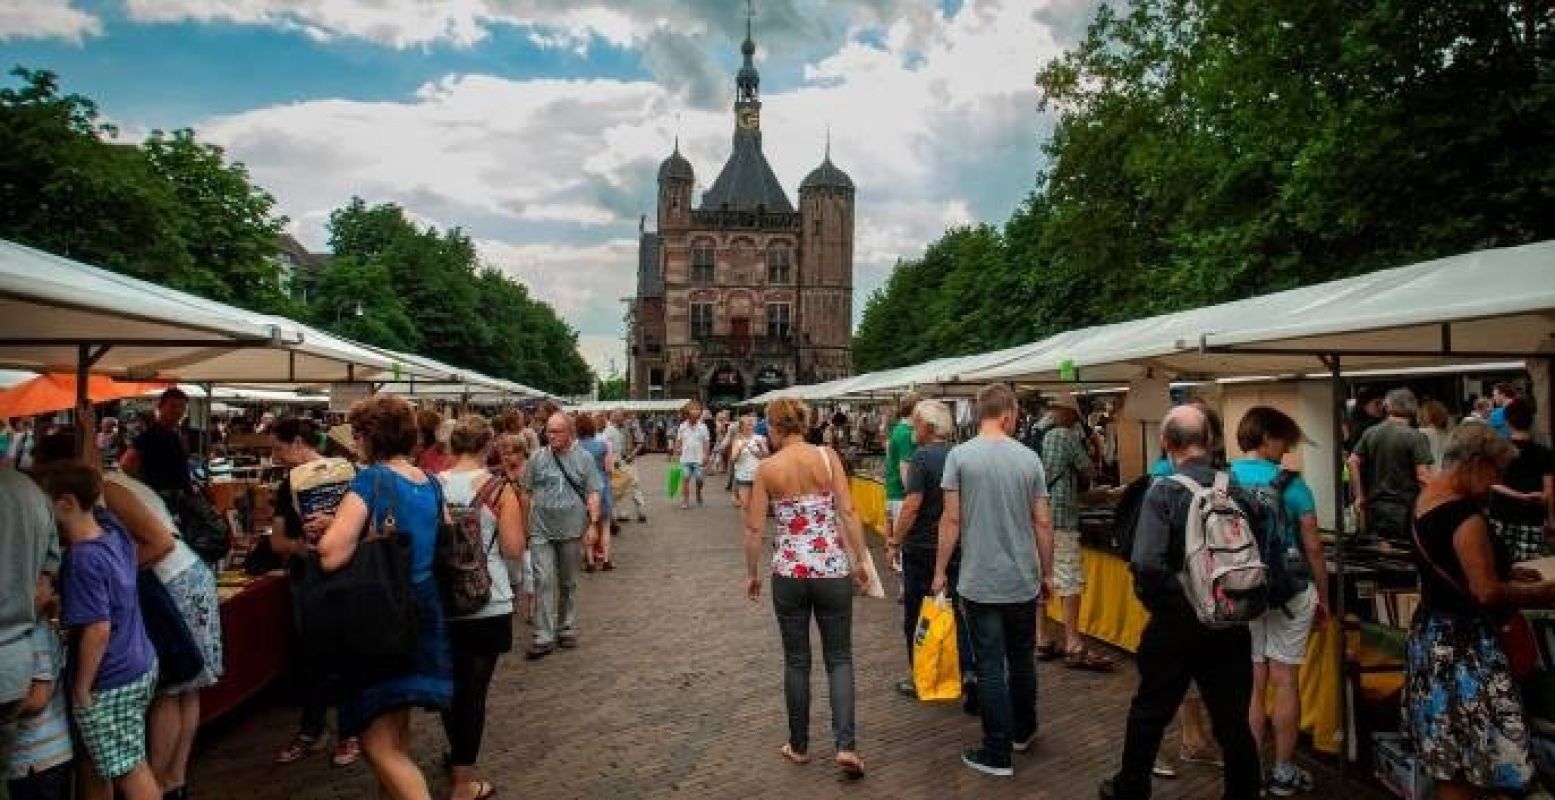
(1336, 383)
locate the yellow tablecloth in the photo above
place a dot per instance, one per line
(1110, 612)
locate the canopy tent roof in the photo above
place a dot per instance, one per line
(1486, 305)
(52, 307)
(630, 406)
(454, 383)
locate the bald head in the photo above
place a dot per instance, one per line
(558, 432)
(1185, 432)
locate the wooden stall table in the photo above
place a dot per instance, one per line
(256, 632)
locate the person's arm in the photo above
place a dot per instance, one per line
(905, 520)
(130, 462)
(949, 537)
(512, 537)
(338, 543)
(37, 698)
(1355, 479)
(755, 519)
(1471, 543)
(1312, 546)
(1042, 524)
(92, 645)
(152, 538)
(1149, 562)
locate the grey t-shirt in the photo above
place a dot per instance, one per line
(998, 481)
(29, 547)
(557, 512)
(1389, 453)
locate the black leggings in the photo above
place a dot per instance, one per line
(474, 662)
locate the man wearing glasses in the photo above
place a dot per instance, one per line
(564, 489)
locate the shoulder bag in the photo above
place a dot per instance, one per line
(362, 618)
(1513, 632)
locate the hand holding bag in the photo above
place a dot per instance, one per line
(936, 661)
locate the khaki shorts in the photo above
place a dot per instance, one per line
(1281, 633)
(1068, 570)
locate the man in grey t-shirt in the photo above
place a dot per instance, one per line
(564, 490)
(29, 549)
(996, 508)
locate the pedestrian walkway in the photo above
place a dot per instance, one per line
(676, 692)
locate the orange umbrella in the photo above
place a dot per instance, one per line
(57, 392)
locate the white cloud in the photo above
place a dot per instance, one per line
(937, 124)
(46, 19)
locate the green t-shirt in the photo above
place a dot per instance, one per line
(1389, 454)
(898, 450)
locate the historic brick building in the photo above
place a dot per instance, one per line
(743, 293)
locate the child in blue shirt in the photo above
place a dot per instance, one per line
(40, 762)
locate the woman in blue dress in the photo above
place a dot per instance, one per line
(385, 427)
(598, 556)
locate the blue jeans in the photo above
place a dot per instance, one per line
(830, 602)
(917, 581)
(1004, 641)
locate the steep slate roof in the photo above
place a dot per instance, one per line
(827, 176)
(676, 167)
(746, 181)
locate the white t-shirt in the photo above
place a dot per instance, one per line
(693, 442)
(181, 557)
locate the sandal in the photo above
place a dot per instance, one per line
(852, 765)
(793, 756)
(1049, 652)
(484, 790)
(1086, 660)
(298, 748)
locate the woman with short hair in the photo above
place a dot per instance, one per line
(1460, 704)
(392, 486)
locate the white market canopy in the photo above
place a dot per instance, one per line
(629, 406)
(1486, 306)
(56, 313)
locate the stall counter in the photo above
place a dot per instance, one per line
(256, 632)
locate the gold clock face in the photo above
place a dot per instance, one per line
(749, 119)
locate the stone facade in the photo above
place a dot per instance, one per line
(743, 293)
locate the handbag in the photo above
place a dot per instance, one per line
(200, 525)
(461, 558)
(1512, 631)
(178, 655)
(362, 618)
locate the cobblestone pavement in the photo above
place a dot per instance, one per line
(676, 692)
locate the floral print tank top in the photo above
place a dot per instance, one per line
(808, 543)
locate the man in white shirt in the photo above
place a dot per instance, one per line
(694, 445)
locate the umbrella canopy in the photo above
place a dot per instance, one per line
(56, 392)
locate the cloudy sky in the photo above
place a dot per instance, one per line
(538, 125)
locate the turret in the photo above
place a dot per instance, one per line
(676, 179)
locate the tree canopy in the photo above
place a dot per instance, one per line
(175, 211)
(1208, 150)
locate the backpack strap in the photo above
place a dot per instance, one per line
(1190, 484)
(1222, 482)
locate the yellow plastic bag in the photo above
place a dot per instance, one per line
(936, 662)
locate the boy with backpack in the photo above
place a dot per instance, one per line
(1297, 585)
(1200, 602)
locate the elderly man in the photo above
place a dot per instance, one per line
(996, 508)
(29, 553)
(914, 538)
(1176, 649)
(1391, 463)
(564, 490)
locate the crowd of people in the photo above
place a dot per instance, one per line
(102, 660)
(498, 519)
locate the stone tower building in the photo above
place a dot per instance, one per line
(743, 293)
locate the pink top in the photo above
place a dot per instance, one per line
(808, 544)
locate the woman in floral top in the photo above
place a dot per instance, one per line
(816, 544)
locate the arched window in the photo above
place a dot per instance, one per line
(778, 265)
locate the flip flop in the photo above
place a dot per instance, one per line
(852, 766)
(792, 756)
(484, 790)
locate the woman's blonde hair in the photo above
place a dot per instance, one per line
(470, 435)
(1476, 443)
(787, 416)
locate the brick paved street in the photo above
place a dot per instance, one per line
(676, 692)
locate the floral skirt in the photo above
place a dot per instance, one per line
(194, 592)
(1460, 706)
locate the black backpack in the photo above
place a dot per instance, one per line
(1270, 526)
(1126, 515)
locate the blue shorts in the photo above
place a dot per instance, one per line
(692, 471)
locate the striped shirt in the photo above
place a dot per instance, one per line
(43, 740)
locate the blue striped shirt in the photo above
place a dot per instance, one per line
(43, 740)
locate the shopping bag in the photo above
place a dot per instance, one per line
(672, 483)
(876, 589)
(936, 662)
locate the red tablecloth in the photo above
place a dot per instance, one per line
(256, 630)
